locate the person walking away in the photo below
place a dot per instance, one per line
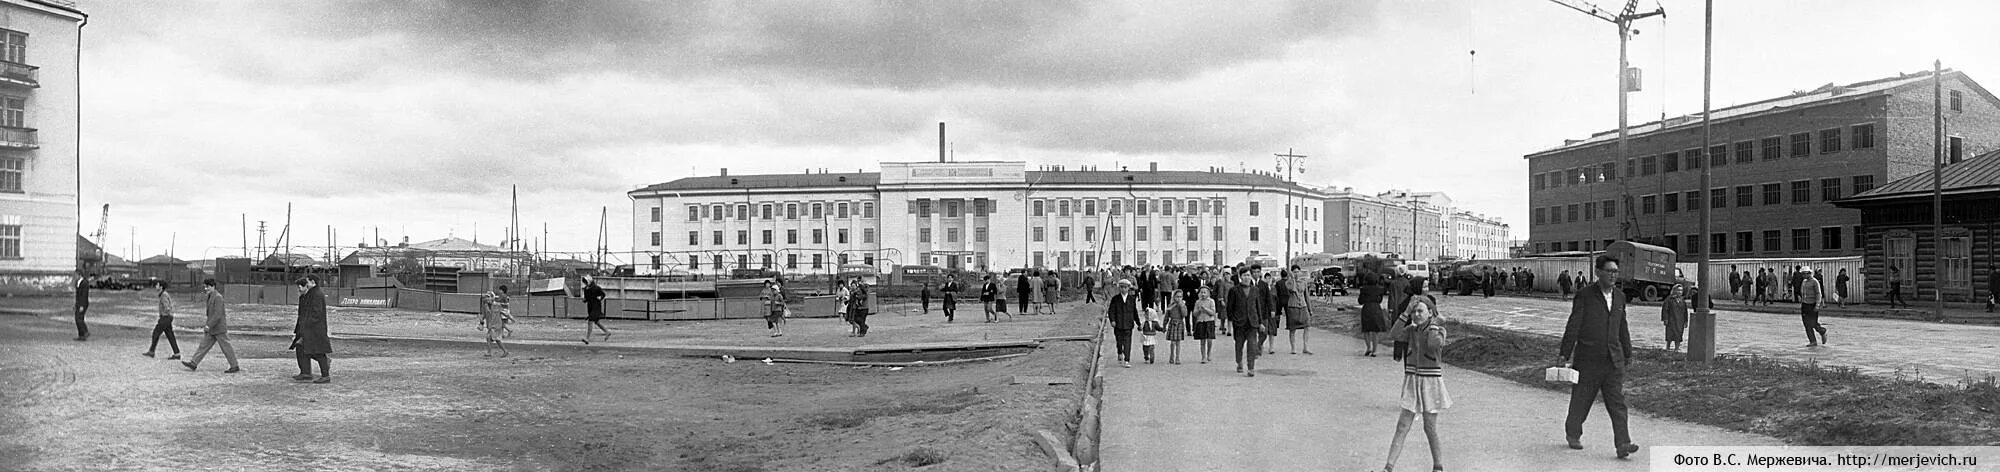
(1809, 304)
(774, 307)
(1674, 314)
(1023, 291)
(1204, 323)
(1273, 310)
(215, 331)
(1735, 284)
(165, 325)
(1373, 321)
(1562, 282)
(309, 337)
(593, 303)
(1792, 281)
(1089, 288)
(989, 292)
(1896, 288)
(1424, 392)
(1485, 290)
(1149, 331)
(1246, 314)
(1177, 327)
(857, 308)
(494, 315)
(1598, 344)
(83, 305)
(1292, 290)
(950, 302)
(1840, 288)
(924, 297)
(1123, 313)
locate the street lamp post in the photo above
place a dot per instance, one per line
(1288, 163)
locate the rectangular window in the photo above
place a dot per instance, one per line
(1692, 157)
(921, 207)
(1090, 207)
(1193, 234)
(1830, 238)
(1062, 207)
(840, 210)
(1117, 258)
(1771, 240)
(1668, 204)
(742, 237)
(1801, 144)
(1958, 262)
(1035, 208)
(979, 235)
(1139, 257)
(791, 211)
(951, 235)
(1648, 165)
(1218, 233)
(1956, 150)
(1719, 243)
(717, 259)
(1570, 212)
(1772, 148)
(694, 262)
(1693, 243)
(1860, 241)
(791, 236)
(819, 236)
(1062, 234)
(1718, 198)
(1957, 101)
(951, 208)
(1671, 162)
(1801, 239)
(764, 211)
(1631, 169)
(1718, 155)
(867, 235)
(715, 212)
(1541, 216)
(1062, 259)
(11, 174)
(1253, 208)
(743, 261)
(1649, 204)
(1609, 171)
(1089, 234)
(1193, 207)
(1829, 189)
(868, 258)
(1117, 233)
(1773, 194)
(818, 211)
(767, 236)
(791, 261)
(1166, 207)
(742, 212)
(868, 211)
(842, 259)
(1901, 253)
(1743, 240)
(1166, 233)
(656, 239)
(1863, 136)
(1590, 210)
(982, 207)
(924, 235)
(1745, 196)
(694, 238)
(10, 241)
(1801, 191)
(1218, 207)
(718, 237)
(1117, 207)
(1746, 152)
(1693, 198)
(1863, 183)
(1829, 141)
(1253, 233)
(1139, 233)
(15, 47)
(840, 236)
(1141, 207)
(13, 112)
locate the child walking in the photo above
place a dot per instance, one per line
(1423, 383)
(1177, 326)
(495, 313)
(1149, 331)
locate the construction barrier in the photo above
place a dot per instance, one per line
(530, 305)
(459, 302)
(420, 300)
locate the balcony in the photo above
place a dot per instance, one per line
(18, 138)
(19, 75)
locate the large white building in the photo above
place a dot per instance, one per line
(38, 144)
(1414, 225)
(972, 215)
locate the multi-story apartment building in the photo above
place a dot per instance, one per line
(972, 215)
(1775, 165)
(38, 144)
(1471, 235)
(1391, 222)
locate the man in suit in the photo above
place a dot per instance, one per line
(1246, 317)
(1598, 344)
(215, 332)
(950, 291)
(1123, 310)
(1267, 291)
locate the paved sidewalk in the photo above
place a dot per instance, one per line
(1336, 411)
(1944, 353)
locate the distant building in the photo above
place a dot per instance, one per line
(1776, 165)
(38, 145)
(1391, 222)
(971, 215)
(1896, 224)
(450, 252)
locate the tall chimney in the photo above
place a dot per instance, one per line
(940, 141)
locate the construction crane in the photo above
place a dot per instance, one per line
(102, 222)
(1628, 81)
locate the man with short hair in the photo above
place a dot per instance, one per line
(310, 343)
(1246, 315)
(1598, 344)
(83, 305)
(1123, 312)
(1809, 303)
(215, 331)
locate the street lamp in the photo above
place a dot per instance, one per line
(1288, 163)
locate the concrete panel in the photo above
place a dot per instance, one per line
(458, 302)
(688, 309)
(824, 306)
(742, 308)
(416, 300)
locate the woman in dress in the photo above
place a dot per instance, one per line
(1423, 383)
(1674, 313)
(1204, 322)
(1373, 320)
(1177, 326)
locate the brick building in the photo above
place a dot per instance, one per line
(38, 145)
(1896, 223)
(1776, 165)
(969, 215)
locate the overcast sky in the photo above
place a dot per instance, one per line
(414, 118)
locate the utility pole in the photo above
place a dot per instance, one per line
(1289, 162)
(1701, 342)
(1629, 227)
(1937, 183)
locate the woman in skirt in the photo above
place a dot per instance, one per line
(1423, 384)
(1373, 320)
(1177, 326)
(1205, 320)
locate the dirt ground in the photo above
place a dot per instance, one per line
(419, 405)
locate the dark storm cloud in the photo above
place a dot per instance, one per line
(903, 45)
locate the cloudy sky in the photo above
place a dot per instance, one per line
(414, 118)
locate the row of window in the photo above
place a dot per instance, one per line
(716, 261)
(1742, 152)
(1117, 258)
(1796, 240)
(768, 211)
(1745, 195)
(792, 236)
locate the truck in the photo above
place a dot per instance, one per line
(1647, 272)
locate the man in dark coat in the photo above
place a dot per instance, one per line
(1123, 311)
(1598, 344)
(309, 339)
(83, 305)
(1267, 289)
(950, 291)
(1246, 317)
(1023, 290)
(1562, 283)
(593, 303)
(1146, 284)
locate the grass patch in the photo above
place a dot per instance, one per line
(1803, 403)
(919, 405)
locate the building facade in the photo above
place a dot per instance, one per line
(1471, 235)
(38, 144)
(1958, 264)
(972, 216)
(1776, 165)
(1390, 222)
